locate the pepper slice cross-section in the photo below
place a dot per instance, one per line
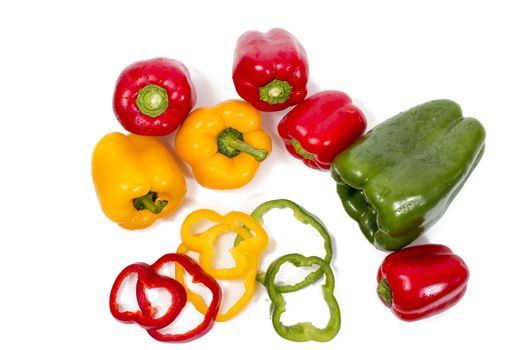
(303, 331)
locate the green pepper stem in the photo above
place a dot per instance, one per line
(152, 100)
(384, 292)
(149, 202)
(276, 91)
(300, 150)
(230, 143)
(258, 154)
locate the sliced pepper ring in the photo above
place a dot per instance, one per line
(199, 276)
(303, 331)
(147, 278)
(241, 224)
(200, 304)
(196, 241)
(304, 217)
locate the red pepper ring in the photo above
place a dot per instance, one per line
(147, 278)
(199, 276)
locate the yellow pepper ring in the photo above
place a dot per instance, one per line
(258, 238)
(195, 241)
(207, 253)
(255, 240)
(199, 303)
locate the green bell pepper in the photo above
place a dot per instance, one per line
(303, 331)
(399, 178)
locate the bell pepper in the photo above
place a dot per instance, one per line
(147, 278)
(153, 97)
(303, 331)
(249, 282)
(399, 178)
(270, 70)
(199, 276)
(421, 281)
(223, 144)
(304, 217)
(322, 126)
(137, 180)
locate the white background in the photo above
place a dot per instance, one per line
(59, 254)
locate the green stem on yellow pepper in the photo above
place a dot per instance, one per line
(149, 202)
(231, 144)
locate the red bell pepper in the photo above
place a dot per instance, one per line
(153, 97)
(270, 70)
(320, 127)
(147, 278)
(199, 276)
(421, 281)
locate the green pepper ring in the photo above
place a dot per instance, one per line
(303, 331)
(304, 217)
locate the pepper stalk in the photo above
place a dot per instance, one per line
(231, 144)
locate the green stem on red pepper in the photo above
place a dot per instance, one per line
(300, 150)
(152, 100)
(276, 91)
(384, 292)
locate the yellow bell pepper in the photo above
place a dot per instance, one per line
(136, 179)
(223, 144)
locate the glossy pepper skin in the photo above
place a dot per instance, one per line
(270, 70)
(136, 179)
(421, 281)
(224, 144)
(321, 127)
(153, 97)
(399, 178)
(198, 276)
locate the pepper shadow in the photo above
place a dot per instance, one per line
(313, 87)
(371, 119)
(206, 94)
(423, 239)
